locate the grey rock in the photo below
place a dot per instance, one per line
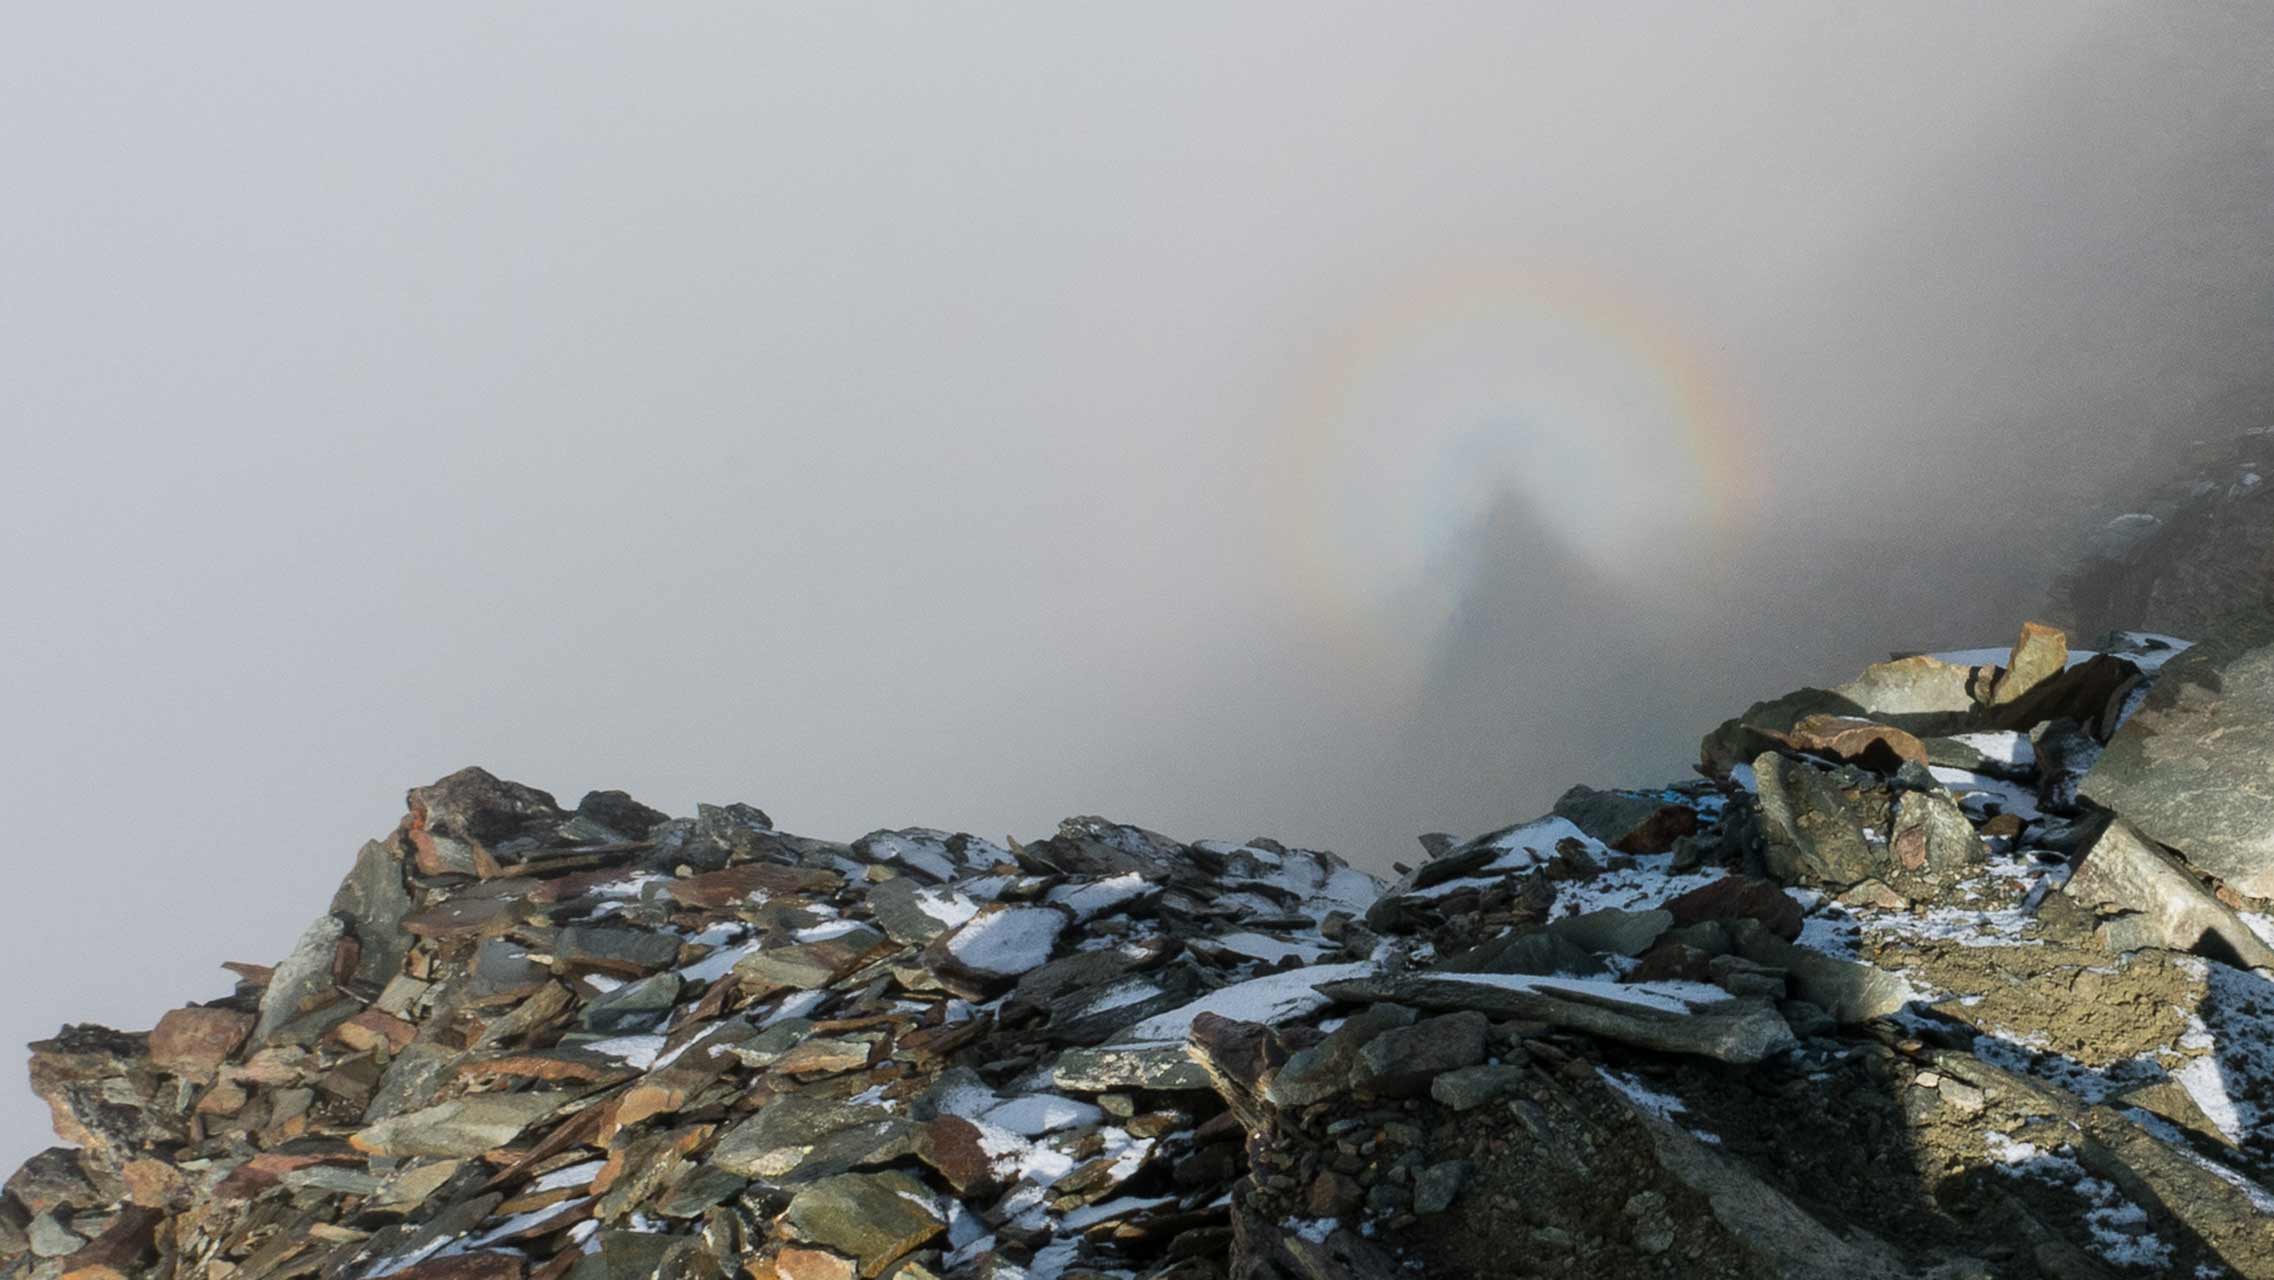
(635, 1006)
(1738, 1031)
(465, 1126)
(1539, 952)
(2149, 900)
(895, 906)
(373, 900)
(872, 1217)
(1933, 845)
(412, 1077)
(1614, 931)
(1848, 990)
(1810, 833)
(626, 951)
(2194, 766)
(1919, 695)
(1628, 821)
(1324, 1070)
(773, 1143)
(1401, 1061)
(51, 1239)
(304, 980)
(1114, 1067)
(767, 1047)
(1468, 1088)
(1436, 1186)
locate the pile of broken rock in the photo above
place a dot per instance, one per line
(1957, 970)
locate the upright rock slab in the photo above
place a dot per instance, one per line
(2151, 901)
(2194, 766)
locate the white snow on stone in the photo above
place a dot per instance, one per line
(1265, 947)
(1315, 1230)
(926, 855)
(1668, 997)
(1036, 1114)
(1977, 791)
(575, 1175)
(636, 1052)
(946, 906)
(1010, 942)
(1274, 997)
(1106, 1211)
(719, 963)
(2007, 748)
(796, 1006)
(1665, 1106)
(1646, 884)
(1087, 900)
(826, 930)
(1121, 995)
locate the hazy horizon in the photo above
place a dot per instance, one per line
(1334, 422)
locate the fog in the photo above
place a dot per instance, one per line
(1332, 421)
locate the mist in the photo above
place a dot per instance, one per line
(1328, 421)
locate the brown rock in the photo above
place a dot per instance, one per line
(2040, 654)
(372, 1029)
(1739, 898)
(152, 1182)
(1334, 1194)
(951, 1145)
(118, 1252)
(483, 1265)
(458, 918)
(195, 1042)
(455, 822)
(795, 1263)
(1857, 741)
(718, 890)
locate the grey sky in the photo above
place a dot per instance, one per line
(1326, 420)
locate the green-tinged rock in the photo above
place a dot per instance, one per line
(462, 1127)
(872, 1217)
(2194, 766)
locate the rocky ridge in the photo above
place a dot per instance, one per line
(1950, 971)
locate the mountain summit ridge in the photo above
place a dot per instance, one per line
(1923, 975)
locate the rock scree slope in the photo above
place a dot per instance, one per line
(1960, 969)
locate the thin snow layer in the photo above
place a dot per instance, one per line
(796, 1006)
(1663, 1105)
(2118, 1226)
(1274, 997)
(1087, 900)
(1520, 849)
(924, 851)
(1978, 793)
(946, 906)
(1010, 942)
(1266, 947)
(1121, 995)
(2008, 747)
(1036, 1114)
(1314, 1230)
(1640, 887)
(721, 962)
(2233, 1084)
(636, 1052)
(1667, 997)
(2149, 650)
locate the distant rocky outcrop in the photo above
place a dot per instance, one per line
(2198, 546)
(1959, 969)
